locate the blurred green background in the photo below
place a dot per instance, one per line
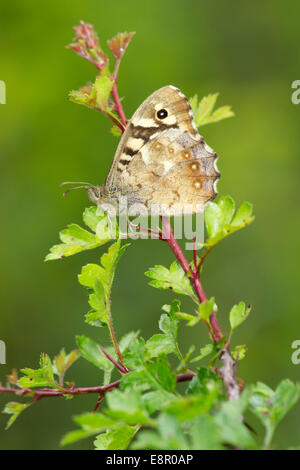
(249, 52)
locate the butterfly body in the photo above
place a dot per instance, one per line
(162, 162)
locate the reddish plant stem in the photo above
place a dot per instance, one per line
(193, 275)
(100, 398)
(115, 94)
(115, 121)
(115, 342)
(122, 369)
(119, 109)
(101, 390)
(229, 365)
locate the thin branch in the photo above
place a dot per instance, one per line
(122, 369)
(204, 256)
(195, 255)
(100, 398)
(193, 276)
(228, 374)
(100, 390)
(115, 94)
(229, 365)
(114, 340)
(113, 119)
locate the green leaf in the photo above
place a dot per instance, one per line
(227, 206)
(109, 262)
(203, 112)
(117, 438)
(169, 436)
(127, 406)
(99, 280)
(230, 421)
(271, 406)
(164, 343)
(76, 239)
(91, 351)
(205, 351)
(239, 352)
(135, 356)
(160, 344)
(205, 108)
(96, 318)
(190, 319)
(224, 112)
(92, 216)
(139, 379)
(205, 433)
(43, 377)
(220, 220)
(103, 86)
(186, 408)
(116, 131)
(15, 409)
(205, 381)
(238, 315)
(90, 423)
(194, 104)
(75, 436)
(172, 309)
(213, 219)
(173, 278)
(93, 421)
(162, 373)
(243, 214)
(205, 309)
(127, 340)
(149, 375)
(203, 313)
(90, 273)
(63, 361)
(157, 400)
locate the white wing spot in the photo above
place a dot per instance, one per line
(145, 122)
(135, 143)
(168, 165)
(125, 157)
(215, 186)
(208, 148)
(215, 165)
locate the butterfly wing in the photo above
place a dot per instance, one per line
(162, 160)
(145, 125)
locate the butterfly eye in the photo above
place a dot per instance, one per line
(162, 114)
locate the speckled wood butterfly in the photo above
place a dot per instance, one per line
(162, 161)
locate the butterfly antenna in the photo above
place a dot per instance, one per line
(83, 185)
(76, 187)
(77, 182)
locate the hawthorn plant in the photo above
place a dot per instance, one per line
(144, 409)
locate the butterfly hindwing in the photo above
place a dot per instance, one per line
(173, 170)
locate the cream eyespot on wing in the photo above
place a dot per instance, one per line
(164, 115)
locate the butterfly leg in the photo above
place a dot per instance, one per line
(154, 233)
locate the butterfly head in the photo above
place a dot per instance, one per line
(95, 193)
